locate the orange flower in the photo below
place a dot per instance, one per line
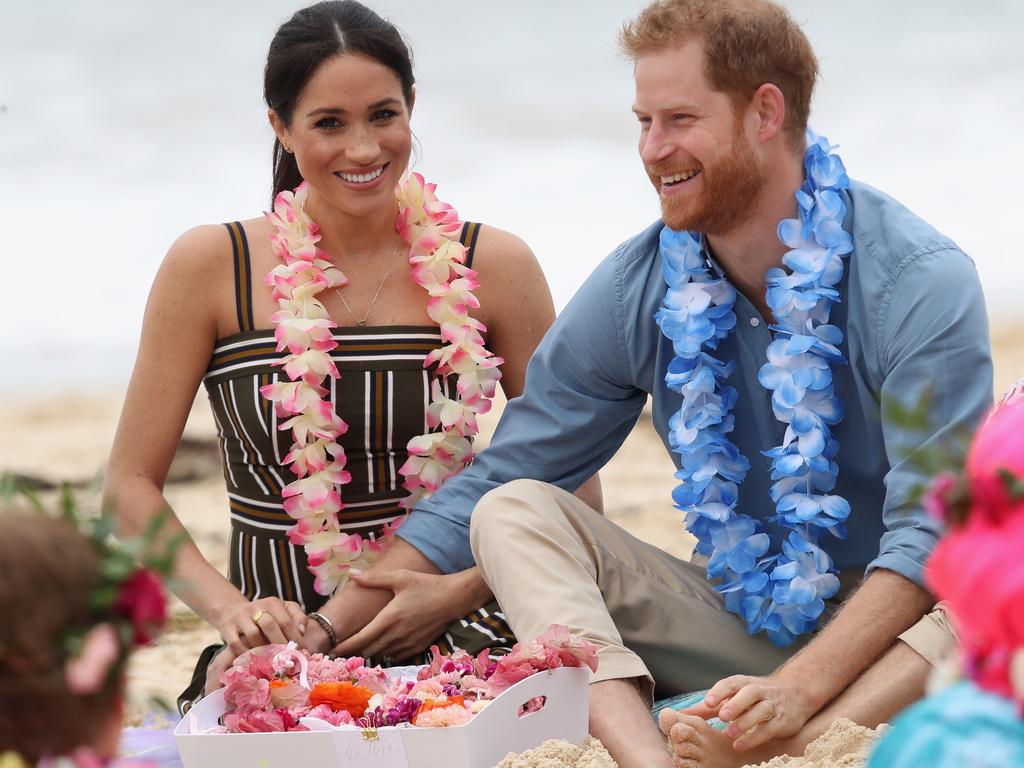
(429, 704)
(341, 696)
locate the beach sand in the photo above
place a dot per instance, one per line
(66, 438)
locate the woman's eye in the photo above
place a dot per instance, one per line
(328, 123)
(383, 115)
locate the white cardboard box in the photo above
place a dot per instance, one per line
(480, 743)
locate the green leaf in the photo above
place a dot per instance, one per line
(68, 506)
(1014, 485)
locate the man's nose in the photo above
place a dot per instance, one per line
(655, 146)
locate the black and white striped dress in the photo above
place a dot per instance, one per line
(382, 394)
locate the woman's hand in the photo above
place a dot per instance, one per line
(246, 625)
(422, 608)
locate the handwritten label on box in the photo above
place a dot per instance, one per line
(384, 751)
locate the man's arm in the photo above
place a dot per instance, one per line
(578, 405)
(933, 342)
(580, 402)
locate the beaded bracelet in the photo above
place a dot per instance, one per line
(325, 623)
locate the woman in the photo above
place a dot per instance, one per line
(71, 611)
(339, 87)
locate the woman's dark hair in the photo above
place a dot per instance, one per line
(311, 37)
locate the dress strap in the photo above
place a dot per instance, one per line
(470, 231)
(243, 276)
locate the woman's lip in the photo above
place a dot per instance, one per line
(363, 184)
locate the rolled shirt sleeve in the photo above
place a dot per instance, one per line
(934, 344)
(578, 406)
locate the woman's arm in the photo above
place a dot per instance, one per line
(178, 335)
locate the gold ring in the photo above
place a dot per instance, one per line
(257, 616)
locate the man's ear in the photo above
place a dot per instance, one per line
(769, 108)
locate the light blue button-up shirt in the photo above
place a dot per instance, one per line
(914, 322)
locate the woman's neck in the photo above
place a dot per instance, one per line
(344, 235)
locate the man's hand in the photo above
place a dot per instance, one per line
(756, 709)
(423, 606)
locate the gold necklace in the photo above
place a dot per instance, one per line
(362, 323)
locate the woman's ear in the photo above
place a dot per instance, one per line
(412, 100)
(279, 129)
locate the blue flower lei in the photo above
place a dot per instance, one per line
(782, 593)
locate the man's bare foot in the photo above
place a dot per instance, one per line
(695, 744)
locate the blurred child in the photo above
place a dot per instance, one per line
(978, 571)
(72, 609)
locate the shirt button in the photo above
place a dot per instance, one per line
(755, 322)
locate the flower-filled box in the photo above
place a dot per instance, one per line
(281, 706)
(481, 743)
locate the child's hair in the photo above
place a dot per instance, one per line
(49, 573)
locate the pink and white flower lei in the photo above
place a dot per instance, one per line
(303, 327)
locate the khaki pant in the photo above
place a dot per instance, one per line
(549, 558)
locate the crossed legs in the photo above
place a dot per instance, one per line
(550, 559)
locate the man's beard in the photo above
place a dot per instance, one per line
(731, 185)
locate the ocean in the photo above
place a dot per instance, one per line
(122, 124)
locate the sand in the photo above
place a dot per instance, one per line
(561, 754)
(844, 745)
(66, 438)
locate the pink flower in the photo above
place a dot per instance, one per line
(261, 721)
(978, 571)
(376, 679)
(507, 674)
(427, 689)
(557, 647)
(86, 673)
(324, 712)
(444, 717)
(996, 458)
(141, 599)
(935, 497)
(571, 650)
(248, 693)
(288, 695)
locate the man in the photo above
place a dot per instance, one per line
(723, 90)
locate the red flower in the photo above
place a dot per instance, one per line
(141, 600)
(995, 464)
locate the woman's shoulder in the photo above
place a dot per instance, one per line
(503, 253)
(511, 279)
(211, 246)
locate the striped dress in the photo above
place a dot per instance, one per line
(382, 394)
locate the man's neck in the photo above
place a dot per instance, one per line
(753, 247)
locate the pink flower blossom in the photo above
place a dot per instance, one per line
(260, 721)
(934, 499)
(325, 713)
(444, 717)
(290, 696)
(141, 599)
(86, 673)
(996, 455)
(248, 693)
